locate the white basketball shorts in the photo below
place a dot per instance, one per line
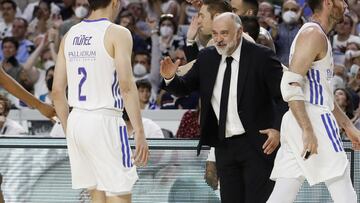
(99, 151)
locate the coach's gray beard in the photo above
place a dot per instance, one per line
(225, 51)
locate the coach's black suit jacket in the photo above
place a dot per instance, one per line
(260, 105)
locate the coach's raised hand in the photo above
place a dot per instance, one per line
(168, 68)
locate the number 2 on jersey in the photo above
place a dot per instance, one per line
(82, 71)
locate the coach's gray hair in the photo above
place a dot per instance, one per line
(237, 20)
(233, 16)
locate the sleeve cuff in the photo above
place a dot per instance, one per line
(167, 81)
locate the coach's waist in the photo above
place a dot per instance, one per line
(108, 112)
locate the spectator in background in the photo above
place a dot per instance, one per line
(344, 100)
(151, 129)
(251, 26)
(13, 67)
(285, 32)
(141, 65)
(343, 36)
(339, 79)
(155, 8)
(10, 64)
(80, 11)
(187, 12)
(28, 13)
(66, 9)
(135, 7)
(352, 54)
(8, 126)
(144, 90)
(140, 42)
(162, 45)
(8, 8)
(250, 8)
(26, 47)
(167, 42)
(143, 70)
(28, 85)
(42, 22)
(266, 15)
(190, 124)
(49, 77)
(199, 34)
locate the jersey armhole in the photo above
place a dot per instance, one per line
(324, 37)
(104, 41)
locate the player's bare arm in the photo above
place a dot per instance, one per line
(351, 131)
(311, 45)
(59, 87)
(119, 45)
(18, 91)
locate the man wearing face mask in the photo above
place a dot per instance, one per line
(81, 11)
(285, 32)
(141, 65)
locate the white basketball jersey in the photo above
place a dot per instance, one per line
(317, 89)
(91, 75)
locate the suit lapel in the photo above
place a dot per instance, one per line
(213, 68)
(243, 68)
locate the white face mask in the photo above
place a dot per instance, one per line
(289, 17)
(354, 70)
(81, 12)
(139, 70)
(166, 31)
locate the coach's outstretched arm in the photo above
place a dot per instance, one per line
(59, 87)
(18, 91)
(121, 40)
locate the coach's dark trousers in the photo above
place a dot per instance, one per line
(243, 172)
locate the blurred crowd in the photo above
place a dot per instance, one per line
(31, 31)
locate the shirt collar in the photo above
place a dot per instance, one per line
(235, 54)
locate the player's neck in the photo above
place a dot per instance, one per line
(100, 13)
(323, 21)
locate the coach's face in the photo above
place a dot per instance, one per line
(226, 35)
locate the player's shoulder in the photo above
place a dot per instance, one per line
(118, 29)
(312, 33)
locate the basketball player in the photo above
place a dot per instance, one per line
(94, 61)
(311, 147)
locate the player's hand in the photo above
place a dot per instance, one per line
(168, 68)
(141, 154)
(272, 141)
(354, 136)
(46, 110)
(310, 144)
(210, 176)
(193, 28)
